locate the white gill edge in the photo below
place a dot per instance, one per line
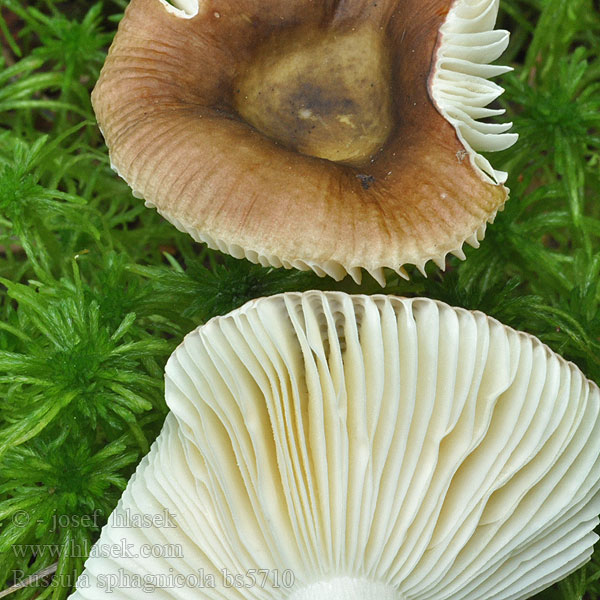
(331, 268)
(460, 85)
(306, 435)
(460, 90)
(184, 9)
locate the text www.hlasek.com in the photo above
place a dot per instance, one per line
(120, 549)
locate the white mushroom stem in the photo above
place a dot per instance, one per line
(347, 588)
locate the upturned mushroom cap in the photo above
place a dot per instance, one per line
(327, 135)
(373, 448)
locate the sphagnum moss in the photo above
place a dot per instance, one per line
(99, 290)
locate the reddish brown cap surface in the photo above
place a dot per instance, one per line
(168, 103)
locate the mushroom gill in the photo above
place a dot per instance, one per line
(325, 446)
(334, 135)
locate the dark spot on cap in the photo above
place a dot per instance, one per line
(366, 180)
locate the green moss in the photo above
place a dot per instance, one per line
(98, 290)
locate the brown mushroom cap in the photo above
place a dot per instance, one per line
(208, 115)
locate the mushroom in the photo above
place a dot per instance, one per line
(324, 446)
(332, 135)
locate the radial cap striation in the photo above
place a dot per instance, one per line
(337, 136)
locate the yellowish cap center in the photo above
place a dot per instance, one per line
(325, 93)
